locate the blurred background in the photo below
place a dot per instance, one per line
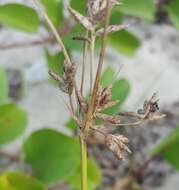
(144, 58)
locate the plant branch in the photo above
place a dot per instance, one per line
(89, 118)
(54, 31)
(92, 49)
(85, 47)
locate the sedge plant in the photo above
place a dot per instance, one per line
(96, 26)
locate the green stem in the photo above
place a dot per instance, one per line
(84, 169)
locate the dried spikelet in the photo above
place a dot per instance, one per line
(114, 120)
(150, 109)
(69, 77)
(111, 29)
(104, 96)
(67, 81)
(97, 9)
(118, 145)
(107, 105)
(55, 76)
(81, 101)
(81, 19)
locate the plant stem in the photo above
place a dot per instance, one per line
(92, 48)
(89, 117)
(85, 47)
(54, 31)
(84, 178)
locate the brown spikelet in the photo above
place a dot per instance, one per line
(114, 120)
(81, 19)
(118, 145)
(112, 29)
(67, 81)
(97, 9)
(107, 105)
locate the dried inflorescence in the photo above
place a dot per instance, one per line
(97, 9)
(94, 110)
(118, 145)
(67, 80)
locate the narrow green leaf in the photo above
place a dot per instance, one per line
(54, 9)
(13, 121)
(173, 11)
(19, 16)
(168, 148)
(52, 155)
(94, 177)
(125, 42)
(139, 8)
(3, 86)
(18, 181)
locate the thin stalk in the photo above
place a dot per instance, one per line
(84, 169)
(92, 57)
(89, 117)
(85, 47)
(54, 31)
(71, 103)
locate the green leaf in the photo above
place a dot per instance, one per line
(173, 11)
(116, 16)
(54, 9)
(120, 91)
(125, 42)
(80, 6)
(19, 16)
(52, 155)
(94, 177)
(139, 8)
(168, 148)
(18, 181)
(71, 124)
(55, 62)
(3, 86)
(13, 121)
(71, 44)
(107, 77)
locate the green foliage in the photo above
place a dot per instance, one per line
(18, 181)
(52, 155)
(125, 42)
(13, 121)
(71, 124)
(19, 16)
(116, 16)
(94, 177)
(107, 77)
(3, 86)
(80, 6)
(139, 8)
(168, 148)
(71, 44)
(55, 62)
(54, 9)
(173, 10)
(120, 91)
